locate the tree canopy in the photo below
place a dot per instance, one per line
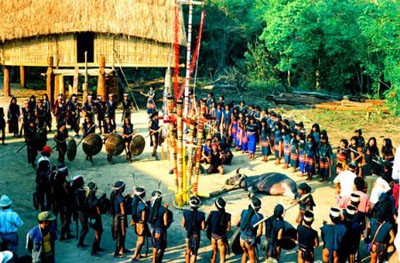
(348, 46)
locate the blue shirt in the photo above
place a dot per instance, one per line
(9, 221)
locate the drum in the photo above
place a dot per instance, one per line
(71, 149)
(40, 139)
(92, 144)
(137, 145)
(289, 237)
(104, 205)
(235, 243)
(114, 144)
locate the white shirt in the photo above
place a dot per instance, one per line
(380, 186)
(346, 181)
(396, 165)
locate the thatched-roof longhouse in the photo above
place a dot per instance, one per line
(127, 33)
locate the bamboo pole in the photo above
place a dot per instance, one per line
(188, 59)
(200, 132)
(179, 131)
(50, 79)
(191, 160)
(101, 81)
(173, 155)
(6, 81)
(22, 76)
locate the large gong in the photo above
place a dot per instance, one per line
(71, 149)
(40, 139)
(114, 144)
(92, 144)
(137, 145)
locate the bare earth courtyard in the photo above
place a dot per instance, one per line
(17, 181)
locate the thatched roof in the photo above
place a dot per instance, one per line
(150, 19)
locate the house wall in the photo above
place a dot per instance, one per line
(118, 51)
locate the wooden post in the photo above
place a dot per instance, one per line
(61, 86)
(50, 79)
(56, 87)
(22, 76)
(101, 82)
(6, 78)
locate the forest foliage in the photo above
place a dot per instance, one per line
(346, 46)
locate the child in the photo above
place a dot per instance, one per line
(309, 150)
(286, 146)
(294, 151)
(264, 140)
(305, 201)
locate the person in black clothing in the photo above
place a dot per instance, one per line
(307, 239)
(111, 107)
(360, 138)
(193, 221)
(13, 117)
(219, 224)
(118, 214)
(40, 114)
(73, 113)
(29, 136)
(79, 208)
(94, 215)
(88, 127)
(154, 133)
(26, 116)
(127, 134)
(61, 201)
(108, 129)
(2, 126)
(43, 186)
(353, 233)
(158, 218)
(47, 110)
(273, 231)
(139, 219)
(89, 107)
(32, 104)
(100, 110)
(216, 160)
(126, 107)
(61, 137)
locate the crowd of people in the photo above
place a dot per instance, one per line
(240, 127)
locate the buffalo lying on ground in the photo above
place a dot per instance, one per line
(268, 183)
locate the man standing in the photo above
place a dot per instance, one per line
(61, 139)
(154, 133)
(118, 214)
(193, 222)
(9, 224)
(219, 224)
(40, 240)
(248, 233)
(79, 208)
(344, 182)
(111, 107)
(139, 219)
(158, 218)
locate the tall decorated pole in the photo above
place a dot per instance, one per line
(188, 59)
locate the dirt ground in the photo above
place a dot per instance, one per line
(17, 181)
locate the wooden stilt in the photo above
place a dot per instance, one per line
(6, 79)
(50, 79)
(101, 82)
(22, 77)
